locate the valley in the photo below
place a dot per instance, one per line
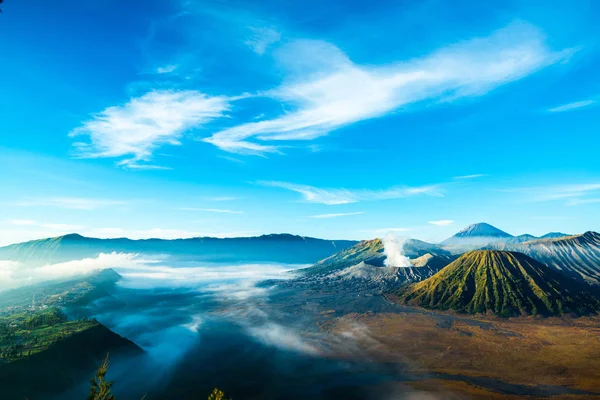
(486, 323)
(485, 357)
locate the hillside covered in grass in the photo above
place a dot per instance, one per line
(502, 283)
(43, 352)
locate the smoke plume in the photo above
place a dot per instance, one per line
(393, 248)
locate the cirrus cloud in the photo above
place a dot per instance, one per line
(326, 90)
(442, 222)
(134, 130)
(72, 203)
(212, 210)
(572, 106)
(326, 216)
(313, 194)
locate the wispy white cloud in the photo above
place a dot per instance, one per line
(222, 198)
(152, 233)
(572, 194)
(166, 69)
(232, 159)
(325, 216)
(33, 223)
(565, 191)
(63, 227)
(73, 203)
(313, 194)
(550, 218)
(262, 38)
(165, 233)
(380, 231)
(442, 222)
(572, 106)
(10, 235)
(213, 210)
(577, 202)
(29, 222)
(147, 167)
(134, 130)
(464, 177)
(326, 90)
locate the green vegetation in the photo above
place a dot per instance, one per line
(48, 317)
(29, 332)
(43, 352)
(503, 283)
(100, 387)
(217, 394)
(31, 320)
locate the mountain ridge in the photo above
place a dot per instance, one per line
(577, 256)
(503, 283)
(285, 248)
(482, 234)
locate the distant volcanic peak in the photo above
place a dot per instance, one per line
(69, 237)
(589, 236)
(107, 274)
(280, 236)
(520, 239)
(476, 236)
(554, 235)
(503, 283)
(72, 236)
(526, 236)
(482, 229)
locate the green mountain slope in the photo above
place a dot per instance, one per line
(503, 283)
(577, 256)
(56, 357)
(42, 351)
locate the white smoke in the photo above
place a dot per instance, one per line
(393, 248)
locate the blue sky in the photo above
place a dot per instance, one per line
(335, 119)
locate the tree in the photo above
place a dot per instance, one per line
(100, 389)
(217, 395)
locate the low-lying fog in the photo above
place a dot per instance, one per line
(205, 325)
